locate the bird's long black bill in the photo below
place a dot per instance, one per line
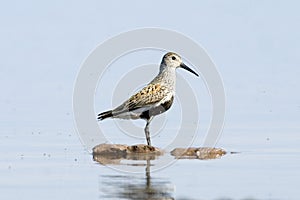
(182, 65)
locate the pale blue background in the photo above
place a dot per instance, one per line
(255, 45)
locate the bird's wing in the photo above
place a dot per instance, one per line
(145, 98)
(149, 95)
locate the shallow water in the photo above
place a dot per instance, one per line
(48, 165)
(253, 44)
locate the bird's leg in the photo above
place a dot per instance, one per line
(147, 132)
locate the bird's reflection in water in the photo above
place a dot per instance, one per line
(142, 187)
(135, 186)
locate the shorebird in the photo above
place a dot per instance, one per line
(155, 98)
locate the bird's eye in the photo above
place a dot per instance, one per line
(173, 58)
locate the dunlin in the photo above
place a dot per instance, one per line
(155, 98)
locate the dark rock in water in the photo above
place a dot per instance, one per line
(110, 149)
(202, 153)
(114, 153)
(125, 149)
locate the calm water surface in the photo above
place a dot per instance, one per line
(54, 165)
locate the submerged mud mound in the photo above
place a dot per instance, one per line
(202, 153)
(115, 153)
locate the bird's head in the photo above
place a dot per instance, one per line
(173, 60)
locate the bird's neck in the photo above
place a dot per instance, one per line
(166, 76)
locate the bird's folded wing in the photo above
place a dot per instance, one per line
(149, 96)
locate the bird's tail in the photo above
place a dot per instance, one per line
(105, 115)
